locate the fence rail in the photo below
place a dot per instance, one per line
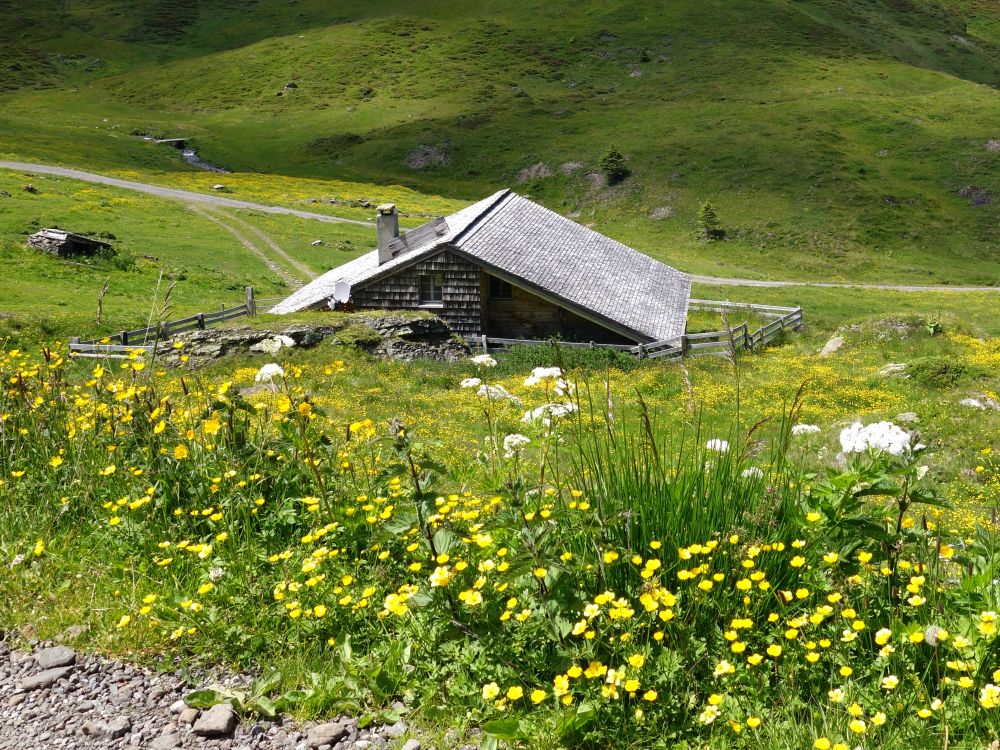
(687, 344)
(126, 344)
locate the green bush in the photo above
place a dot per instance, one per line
(613, 165)
(941, 372)
(708, 223)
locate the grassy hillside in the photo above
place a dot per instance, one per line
(158, 243)
(836, 139)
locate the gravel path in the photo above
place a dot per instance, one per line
(54, 698)
(724, 281)
(183, 195)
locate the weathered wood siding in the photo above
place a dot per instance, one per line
(527, 316)
(460, 305)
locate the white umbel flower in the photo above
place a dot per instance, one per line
(543, 375)
(471, 383)
(805, 429)
(879, 436)
(268, 373)
(717, 445)
(483, 360)
(512, 444)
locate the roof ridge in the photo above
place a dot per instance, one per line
(467, 230)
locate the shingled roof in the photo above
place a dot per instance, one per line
(549, 254)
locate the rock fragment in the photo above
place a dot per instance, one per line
(218, 721)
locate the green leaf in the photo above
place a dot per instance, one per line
(263, 706)
(267, 683)
(504, 729)
(204, 698)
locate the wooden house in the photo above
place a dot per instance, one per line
(508, 267)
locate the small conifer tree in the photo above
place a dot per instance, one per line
(613, 165)
(708, 223)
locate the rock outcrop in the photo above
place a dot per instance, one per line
(390, 336)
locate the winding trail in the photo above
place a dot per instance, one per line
(277, 269)
(217, 200)
(304, 271)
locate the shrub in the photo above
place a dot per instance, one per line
(708, 223)
(941, 372)
(613, 165)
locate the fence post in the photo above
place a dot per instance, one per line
(685, 345)
(201, 321)
(73, 341)
(124, 338)
(250, 302)
(642, 351)
(485, 347)
(165, 331)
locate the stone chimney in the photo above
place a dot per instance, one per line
(386, 230)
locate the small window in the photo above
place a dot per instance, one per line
(430, 288)
(500, 289)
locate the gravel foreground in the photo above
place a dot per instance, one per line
(55, 697)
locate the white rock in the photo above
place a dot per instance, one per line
(831, 346)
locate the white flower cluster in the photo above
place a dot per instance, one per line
(805, 429)
(879, 436)
(268, 373)
(497, 393)
(471, 383)
(717, 445)
(512, 444)
(547, 412)
(483, 360)
(543, 375)
(754, 472)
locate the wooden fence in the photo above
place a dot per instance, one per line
(125, 344)
(688, 344)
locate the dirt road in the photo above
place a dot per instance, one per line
(164, 192)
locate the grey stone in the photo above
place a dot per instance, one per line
(166, 742)
(411, 744)
(907, 417)
(45, 679)
(396, 730)
(109, 730)
(218, 721)
(893, 369)
(16, 700)
(831, 346)
(57, 656)
(188, 716)
(326, 734)
(177, 706)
